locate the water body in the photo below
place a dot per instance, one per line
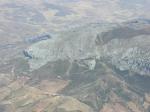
(37, 38)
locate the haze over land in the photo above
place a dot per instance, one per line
(74, 56)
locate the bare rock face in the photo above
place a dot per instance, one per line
(125, 46)
(76, 44)
(129, 54)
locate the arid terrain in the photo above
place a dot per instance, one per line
(74, 56)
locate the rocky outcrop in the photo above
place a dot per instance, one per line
(125, 46)
(129, 54)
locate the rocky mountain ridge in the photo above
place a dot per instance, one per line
(123, 46)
